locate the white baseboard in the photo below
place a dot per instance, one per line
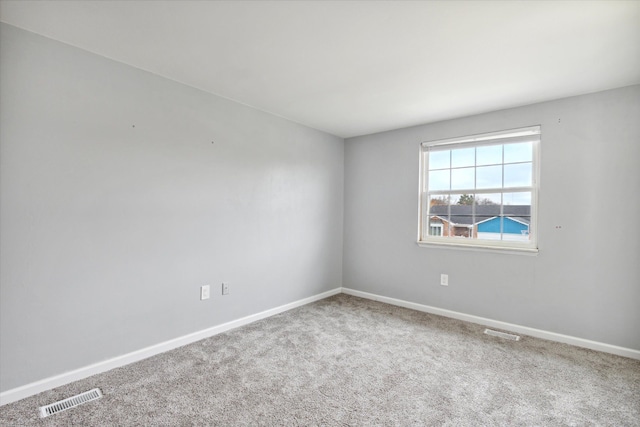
(538, 333)
(31, 389)
(116, 362)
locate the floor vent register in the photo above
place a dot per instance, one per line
(70, 402)
(502, 335)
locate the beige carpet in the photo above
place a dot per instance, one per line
(348, 361)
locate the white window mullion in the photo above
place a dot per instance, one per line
(502, 204)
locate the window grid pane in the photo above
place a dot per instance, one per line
(481, 193)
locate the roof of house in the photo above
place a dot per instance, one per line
(463, 214)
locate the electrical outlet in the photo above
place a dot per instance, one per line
(444, 279)
(225, 289)
(204, 292)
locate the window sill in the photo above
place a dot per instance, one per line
(479, 248)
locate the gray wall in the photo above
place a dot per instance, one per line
(108, 230)
(585, 281)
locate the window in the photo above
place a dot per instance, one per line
(435, 229)
(481, 190)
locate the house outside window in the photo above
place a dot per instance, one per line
(481, 191)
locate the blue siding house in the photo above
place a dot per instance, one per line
(517, 227)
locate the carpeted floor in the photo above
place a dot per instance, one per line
(346, 361)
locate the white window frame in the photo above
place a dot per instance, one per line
(525, 134)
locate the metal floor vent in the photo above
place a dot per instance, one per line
(502, 335)
(70, 402)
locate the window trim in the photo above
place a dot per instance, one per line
(492, 138)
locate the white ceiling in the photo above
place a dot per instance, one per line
(359, 67)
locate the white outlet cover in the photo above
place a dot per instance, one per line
(205, 292)
(444, 279)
